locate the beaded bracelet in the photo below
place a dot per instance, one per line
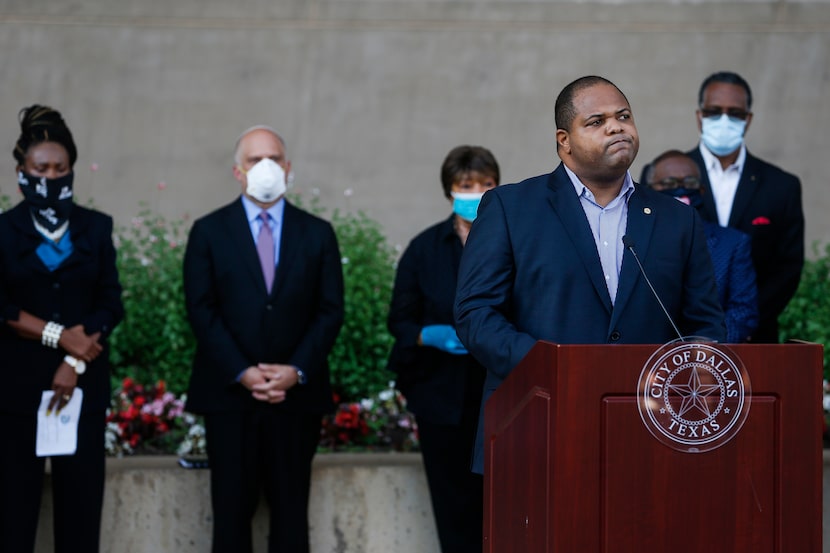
(51, 335)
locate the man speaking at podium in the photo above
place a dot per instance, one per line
(555, 257)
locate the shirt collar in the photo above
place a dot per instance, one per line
(252, 210)
(582, 190)
(713, 163)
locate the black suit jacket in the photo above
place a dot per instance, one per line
(434, 382)
(84, 289)
(238, 324)
(767, 207)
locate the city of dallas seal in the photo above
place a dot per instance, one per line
(694, 395)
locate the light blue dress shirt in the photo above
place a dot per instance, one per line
(608, 225)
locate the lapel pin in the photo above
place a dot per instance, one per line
(647, 210)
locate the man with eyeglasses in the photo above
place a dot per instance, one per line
(676, 174)
(750, 195)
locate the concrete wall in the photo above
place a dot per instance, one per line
(372, 94)
(359, 504)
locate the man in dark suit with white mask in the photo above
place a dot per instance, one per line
(264, 293)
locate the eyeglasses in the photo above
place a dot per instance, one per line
(731, 113)
(674, 182)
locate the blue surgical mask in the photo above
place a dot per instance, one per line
(465, 205)
(722, 135)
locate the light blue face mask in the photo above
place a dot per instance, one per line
(722, 135)
(465, 205)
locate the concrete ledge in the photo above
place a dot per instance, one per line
(360, 503)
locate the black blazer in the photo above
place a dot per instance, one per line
(434, 382)
(238, 324)
(84, 289)
(767, 207)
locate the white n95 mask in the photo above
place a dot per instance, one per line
(266, 181)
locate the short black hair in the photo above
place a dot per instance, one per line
(40, 124)
(564, 111)
(727, 77)
(467, 159)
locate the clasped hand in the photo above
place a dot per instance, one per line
(269, 381)
(79, 345)
(444, 338)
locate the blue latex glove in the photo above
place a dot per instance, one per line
(444, 338)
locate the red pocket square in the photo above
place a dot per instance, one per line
(761, 221)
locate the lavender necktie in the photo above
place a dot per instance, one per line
(265, 249)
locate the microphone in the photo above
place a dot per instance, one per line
(629, 245)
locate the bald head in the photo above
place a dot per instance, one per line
(256, 129)
(254, 145)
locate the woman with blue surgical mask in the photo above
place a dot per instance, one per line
(440, 379)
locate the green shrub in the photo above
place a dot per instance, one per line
(358, 360)
(807, 316)
(154, 341)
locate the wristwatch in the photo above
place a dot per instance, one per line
(301, 379)
(77, 364)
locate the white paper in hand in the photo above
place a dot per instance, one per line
(57, 432)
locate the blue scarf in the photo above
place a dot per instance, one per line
(54, 253)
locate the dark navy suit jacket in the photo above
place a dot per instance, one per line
(530, 271)
(731, 257)
(767, 207)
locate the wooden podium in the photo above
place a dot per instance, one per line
(570, 466)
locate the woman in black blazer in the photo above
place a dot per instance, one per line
(59, 299)
(441, 381)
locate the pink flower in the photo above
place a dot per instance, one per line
(93, 167)
(162, 185)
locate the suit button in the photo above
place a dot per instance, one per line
(615, 336)
(56, 285)
(269, 307)
(56, 316)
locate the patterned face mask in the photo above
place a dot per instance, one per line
(49, 200)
